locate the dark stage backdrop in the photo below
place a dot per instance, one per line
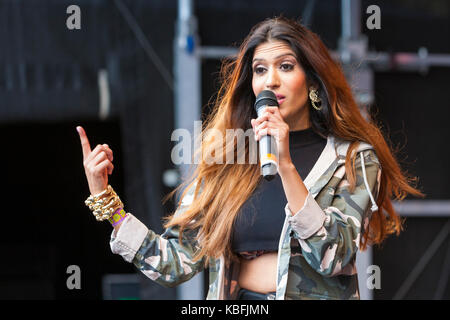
(48, 85)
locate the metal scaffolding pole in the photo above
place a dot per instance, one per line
(187, 103)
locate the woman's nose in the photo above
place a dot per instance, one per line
(272, 80)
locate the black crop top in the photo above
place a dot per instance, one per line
(258, 226)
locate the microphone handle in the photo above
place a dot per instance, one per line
(268, 155)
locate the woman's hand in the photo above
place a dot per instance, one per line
(271, 123)
(97, 163)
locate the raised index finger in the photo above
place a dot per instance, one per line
(84, 142)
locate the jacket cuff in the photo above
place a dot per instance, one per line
(129, 238)
(308, 220)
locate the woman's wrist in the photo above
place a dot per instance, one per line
(107, 205)
(117, 217)
(285, 168)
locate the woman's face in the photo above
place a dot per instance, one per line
(275, 67)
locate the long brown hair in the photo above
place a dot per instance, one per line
(226, 187)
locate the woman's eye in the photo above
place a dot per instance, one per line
(287, 66)
(258, 70)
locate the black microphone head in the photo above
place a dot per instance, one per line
(266, 98)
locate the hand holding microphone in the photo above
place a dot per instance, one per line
(272, 132)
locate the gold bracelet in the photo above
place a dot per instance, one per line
(104, 204)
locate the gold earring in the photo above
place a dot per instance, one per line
(313, 96)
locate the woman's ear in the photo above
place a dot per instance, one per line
(317, 82)
(310, 84)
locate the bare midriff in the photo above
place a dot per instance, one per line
(259, 274)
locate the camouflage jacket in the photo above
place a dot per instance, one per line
(317, 246)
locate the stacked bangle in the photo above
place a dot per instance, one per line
(104, 204)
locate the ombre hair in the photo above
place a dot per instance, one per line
(226, 187)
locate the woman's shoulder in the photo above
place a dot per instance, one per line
(342, 146)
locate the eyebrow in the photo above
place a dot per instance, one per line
(276, 58)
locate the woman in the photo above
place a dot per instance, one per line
(336, 179)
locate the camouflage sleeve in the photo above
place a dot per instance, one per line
(160, 257)
(330, 237)
(163, 259)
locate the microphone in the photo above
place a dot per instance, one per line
(267, 144)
